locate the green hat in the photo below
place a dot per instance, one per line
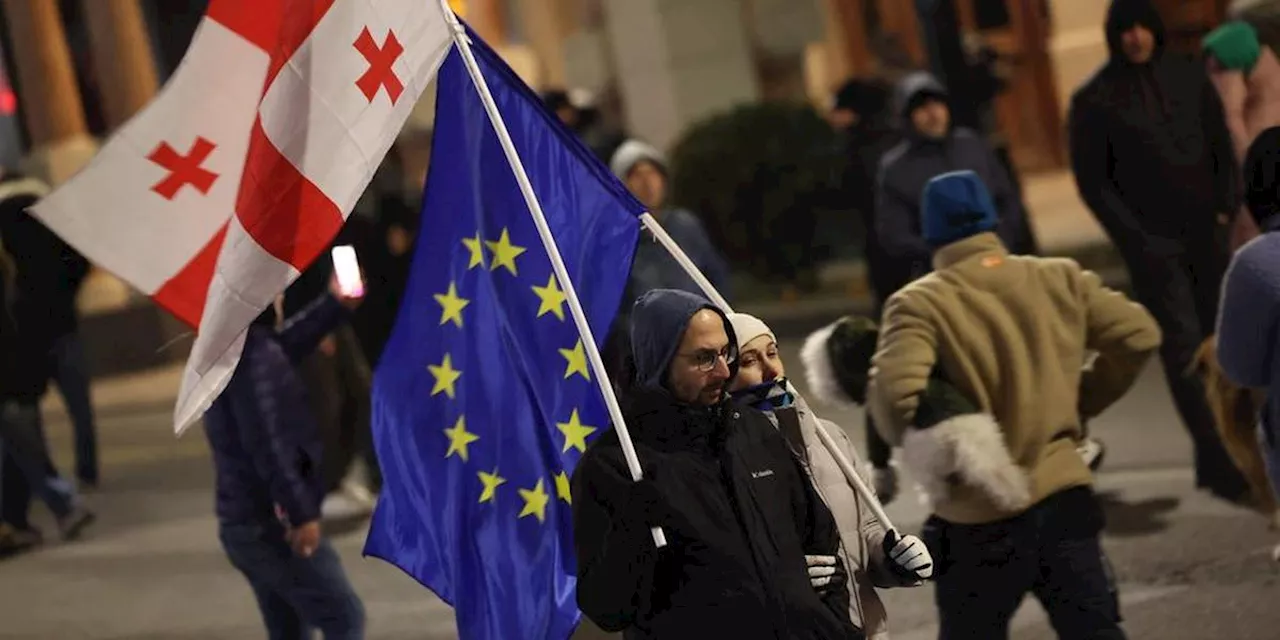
(851, 346)
(1235, 45)
(941, 401)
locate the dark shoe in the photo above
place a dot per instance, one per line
(74, 524)
(14, 541)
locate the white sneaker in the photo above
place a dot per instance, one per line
(1091, 451)
(360, 493)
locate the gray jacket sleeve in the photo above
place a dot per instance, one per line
(893, 221)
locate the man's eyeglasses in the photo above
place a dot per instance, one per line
(706, 359)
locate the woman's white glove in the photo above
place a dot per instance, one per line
(908, 558)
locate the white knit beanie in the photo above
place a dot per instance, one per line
(631, 152)
(748, 327)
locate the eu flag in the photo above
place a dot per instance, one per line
(483, 401)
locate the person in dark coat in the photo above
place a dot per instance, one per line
(739, 515)
(1153, 159)
(644, 170)
(932, 147)
(55, 272)
(25, 466)
(266, 448)
(860, 116)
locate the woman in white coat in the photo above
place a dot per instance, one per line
(872, 557)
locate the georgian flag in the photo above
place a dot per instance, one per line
(213, 198)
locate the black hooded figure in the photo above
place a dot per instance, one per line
(1152, 159)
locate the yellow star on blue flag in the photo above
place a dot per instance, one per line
(483, 399)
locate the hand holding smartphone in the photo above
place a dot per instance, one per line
(346, 273)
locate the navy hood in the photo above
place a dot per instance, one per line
(658, 322)
(1123, 15)
(956, 206)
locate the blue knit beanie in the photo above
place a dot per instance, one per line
(956, 206)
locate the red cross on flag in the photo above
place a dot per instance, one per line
(215, 196)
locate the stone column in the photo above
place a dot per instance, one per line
(489, 19)
(547, 24)
(678, 61)
(1078, 45)
(50, 99)
(846, 39)
(122, 53)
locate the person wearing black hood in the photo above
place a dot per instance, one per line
(1153, 159)
(740, 518)
(934, 146)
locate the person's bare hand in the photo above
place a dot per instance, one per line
(328, 345)
(305, 539)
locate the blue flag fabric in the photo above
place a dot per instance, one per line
(483, 401)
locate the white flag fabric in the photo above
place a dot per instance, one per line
(214, 197)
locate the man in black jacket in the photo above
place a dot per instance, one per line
(739, 516)
(1153, 160)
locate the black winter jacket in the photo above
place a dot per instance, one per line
(24, 359)
(264, 437)
(51, 271)
(39, 266)
(1150, 149)
(746, 517)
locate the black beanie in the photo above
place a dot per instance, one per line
(862, 97)
(1262, 176)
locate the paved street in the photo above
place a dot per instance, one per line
(151, 568)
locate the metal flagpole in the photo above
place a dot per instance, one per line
(553, 252)
(846, 466)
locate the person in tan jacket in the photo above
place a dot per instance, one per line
(872, 557)
(1013, 334)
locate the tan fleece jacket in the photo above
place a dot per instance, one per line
(1012, 333)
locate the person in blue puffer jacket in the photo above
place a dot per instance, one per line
(266, 448)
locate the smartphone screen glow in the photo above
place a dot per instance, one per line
(347, 269)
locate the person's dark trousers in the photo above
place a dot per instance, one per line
(339, 397)
(71, 376)
(1052, 551)
(25, 468)
(355, 377)
(879, 453)
(1180, 289)
(15, 491)
(296, 595)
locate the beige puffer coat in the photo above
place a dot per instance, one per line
(860, 533)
